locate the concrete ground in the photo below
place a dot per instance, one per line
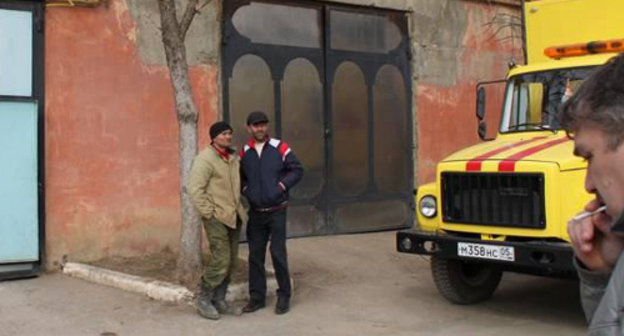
(345, 285)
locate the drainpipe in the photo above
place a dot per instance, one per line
(524, 34)
(73, 3)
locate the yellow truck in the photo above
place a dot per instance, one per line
(503, 205)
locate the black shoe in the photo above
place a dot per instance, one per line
(282, 306)
(253, 305)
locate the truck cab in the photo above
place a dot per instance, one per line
(503, 205)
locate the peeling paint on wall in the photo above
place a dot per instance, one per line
(202, 39)
(111, 130)
(111, 137)
(446, 117)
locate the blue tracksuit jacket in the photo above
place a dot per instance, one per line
(261, 175)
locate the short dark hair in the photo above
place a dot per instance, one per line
(599, 101)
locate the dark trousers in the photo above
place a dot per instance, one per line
(260, 228)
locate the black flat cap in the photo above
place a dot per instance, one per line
(257, 117)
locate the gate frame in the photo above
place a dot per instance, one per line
(326, 74)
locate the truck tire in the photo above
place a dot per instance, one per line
(464, 282)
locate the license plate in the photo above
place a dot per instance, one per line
(481, 251)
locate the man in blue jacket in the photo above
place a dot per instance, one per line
(269, 169)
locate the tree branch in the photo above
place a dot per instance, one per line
(204, 5)
(192, 7)
(189, 14)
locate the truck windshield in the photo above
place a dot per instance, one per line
(532, 100)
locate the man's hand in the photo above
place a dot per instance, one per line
(593, 242)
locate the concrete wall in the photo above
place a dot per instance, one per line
(455, 47)
(111, 132)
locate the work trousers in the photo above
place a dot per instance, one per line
(263, 226)
(223, 242)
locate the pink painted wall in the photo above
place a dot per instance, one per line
(111, 137)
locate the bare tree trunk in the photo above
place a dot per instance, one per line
(189, 258)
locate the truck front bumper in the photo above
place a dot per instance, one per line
(536, 257)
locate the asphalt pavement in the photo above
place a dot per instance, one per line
(344, 285)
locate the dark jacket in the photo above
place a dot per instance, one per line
(262, 175)
(602, 296)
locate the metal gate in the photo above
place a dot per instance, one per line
(336, 85)
(21, 93)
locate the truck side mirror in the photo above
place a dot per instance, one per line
(495, 98)
(480, 104)
(482, 130)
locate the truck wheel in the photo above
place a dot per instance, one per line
(464, 282)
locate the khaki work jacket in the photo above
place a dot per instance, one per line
(214, 187)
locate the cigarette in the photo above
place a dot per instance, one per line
(588, 213)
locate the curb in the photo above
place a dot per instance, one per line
(155, 289)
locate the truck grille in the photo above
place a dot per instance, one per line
(515, 200)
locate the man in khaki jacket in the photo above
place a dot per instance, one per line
(214, 187)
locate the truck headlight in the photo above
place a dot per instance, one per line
(428, 206)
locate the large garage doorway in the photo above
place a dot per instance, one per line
(335, 83)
